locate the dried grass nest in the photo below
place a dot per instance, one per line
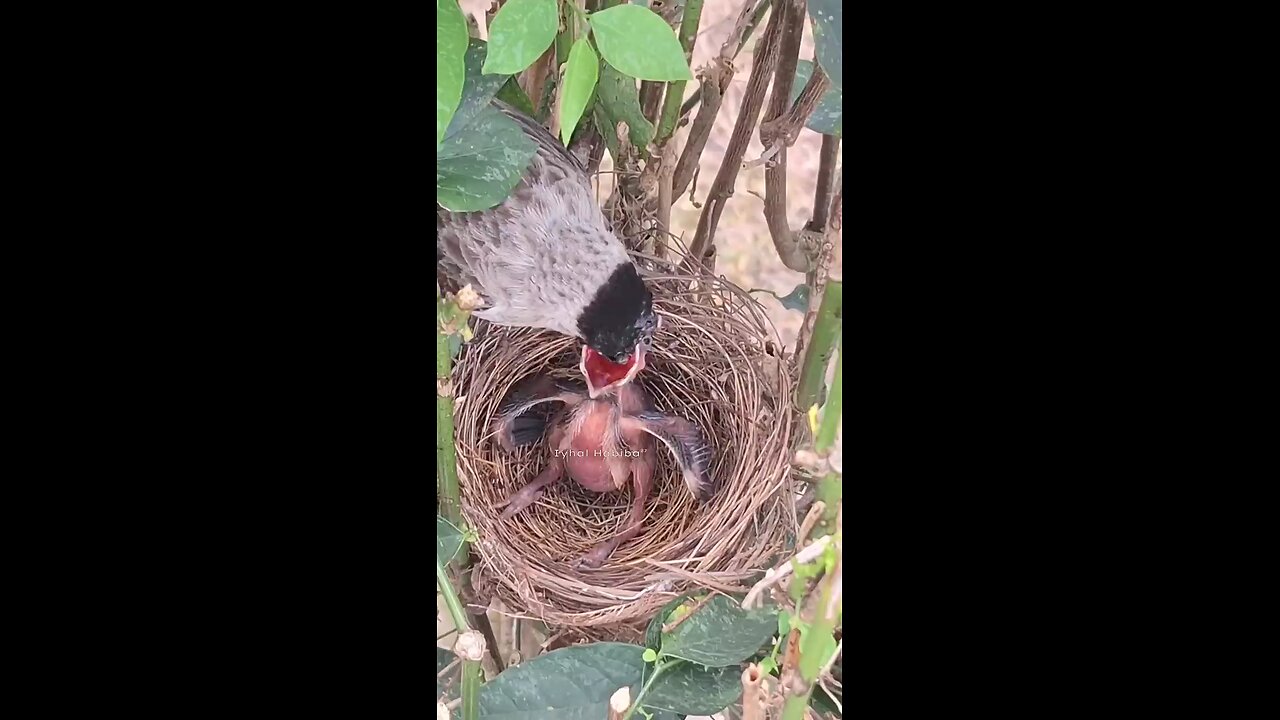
(718, 362)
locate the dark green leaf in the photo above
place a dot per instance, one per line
(653, 633)
(797, 299)
(521, 31)
(721, 633)
(447, 685)
(451, 47)
(821, 702)
(515, 96)
(572, 683)
(455, 345)
(638, 42)
(477, 168)
(478, 90)
(620, 102)
(828, 115)
(695, 690)
(448, 540)
(580, 74)
(828, 38)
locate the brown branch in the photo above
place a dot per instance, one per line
(722, 189)
(818, 278)
(752, 693)
(715, 81)
(795, 249)
(826, 175)
(786, 129)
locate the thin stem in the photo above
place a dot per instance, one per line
(756, 16)
(472, 673)
(826, 176)
(451, 599)
(823, 607)
(657, 672)
(446, 459)
(825, 330)
(675, 90)
(832, 408)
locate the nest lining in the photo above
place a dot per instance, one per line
(717, 362)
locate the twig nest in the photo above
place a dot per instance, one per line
(716, 362)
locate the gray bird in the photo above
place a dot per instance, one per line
(547, 258)
(600, 443)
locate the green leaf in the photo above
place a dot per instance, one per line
(828, 115)
(477, 168)
(515, 96)
(448, 540)
(521, 31)
(694, 690)
(638, 42)
(572, 683)
(653, 633)
(478, 90)
(721, 633)
(451, 47)
(580, 74)
(449, 684)
(649, 655)
(828, 38)
(797, 299)
(620, 102)
(455, 345)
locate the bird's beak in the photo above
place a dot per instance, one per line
(598, 383)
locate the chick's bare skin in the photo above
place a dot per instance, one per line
(601, 444)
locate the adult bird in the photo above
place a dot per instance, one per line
(547, 258)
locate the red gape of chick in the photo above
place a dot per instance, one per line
(599, 443)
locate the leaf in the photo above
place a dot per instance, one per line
(828, 114)
(721, 633)
(653, 633)
(694, 690)
(620, 102)
(478, 90)
(828, 38)
(477, 168)
(580, 75)
(449, 684)
(521, 31)
(639, 43)
(448, 540)
(515, 96)
(455, 345)
(572, 683)
(649, 655)
(797, 299)
(451, 47)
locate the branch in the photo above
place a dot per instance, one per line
(722, 189)
(470, 646)
(741, 33)
(796, 250)
(752, 694)
(826, 176)
(452, 315)
(785, 129)
(675, 90)
(827, 322)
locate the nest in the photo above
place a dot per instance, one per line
(718, 362)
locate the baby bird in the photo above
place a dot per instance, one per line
(599, 442)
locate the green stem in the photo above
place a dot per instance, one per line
(834, 405)
(825, 331)
(815, 638)
(657, 672)
(675, 91)
(446, 458)
(472, 674)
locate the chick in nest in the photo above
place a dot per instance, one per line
(600, 438)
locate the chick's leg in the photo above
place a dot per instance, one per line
(530, 493)
(642, 476)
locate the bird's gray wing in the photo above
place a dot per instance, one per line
(687, 444)
(525, 413)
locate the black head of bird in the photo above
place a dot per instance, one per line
(547, 257)
(600, 443)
